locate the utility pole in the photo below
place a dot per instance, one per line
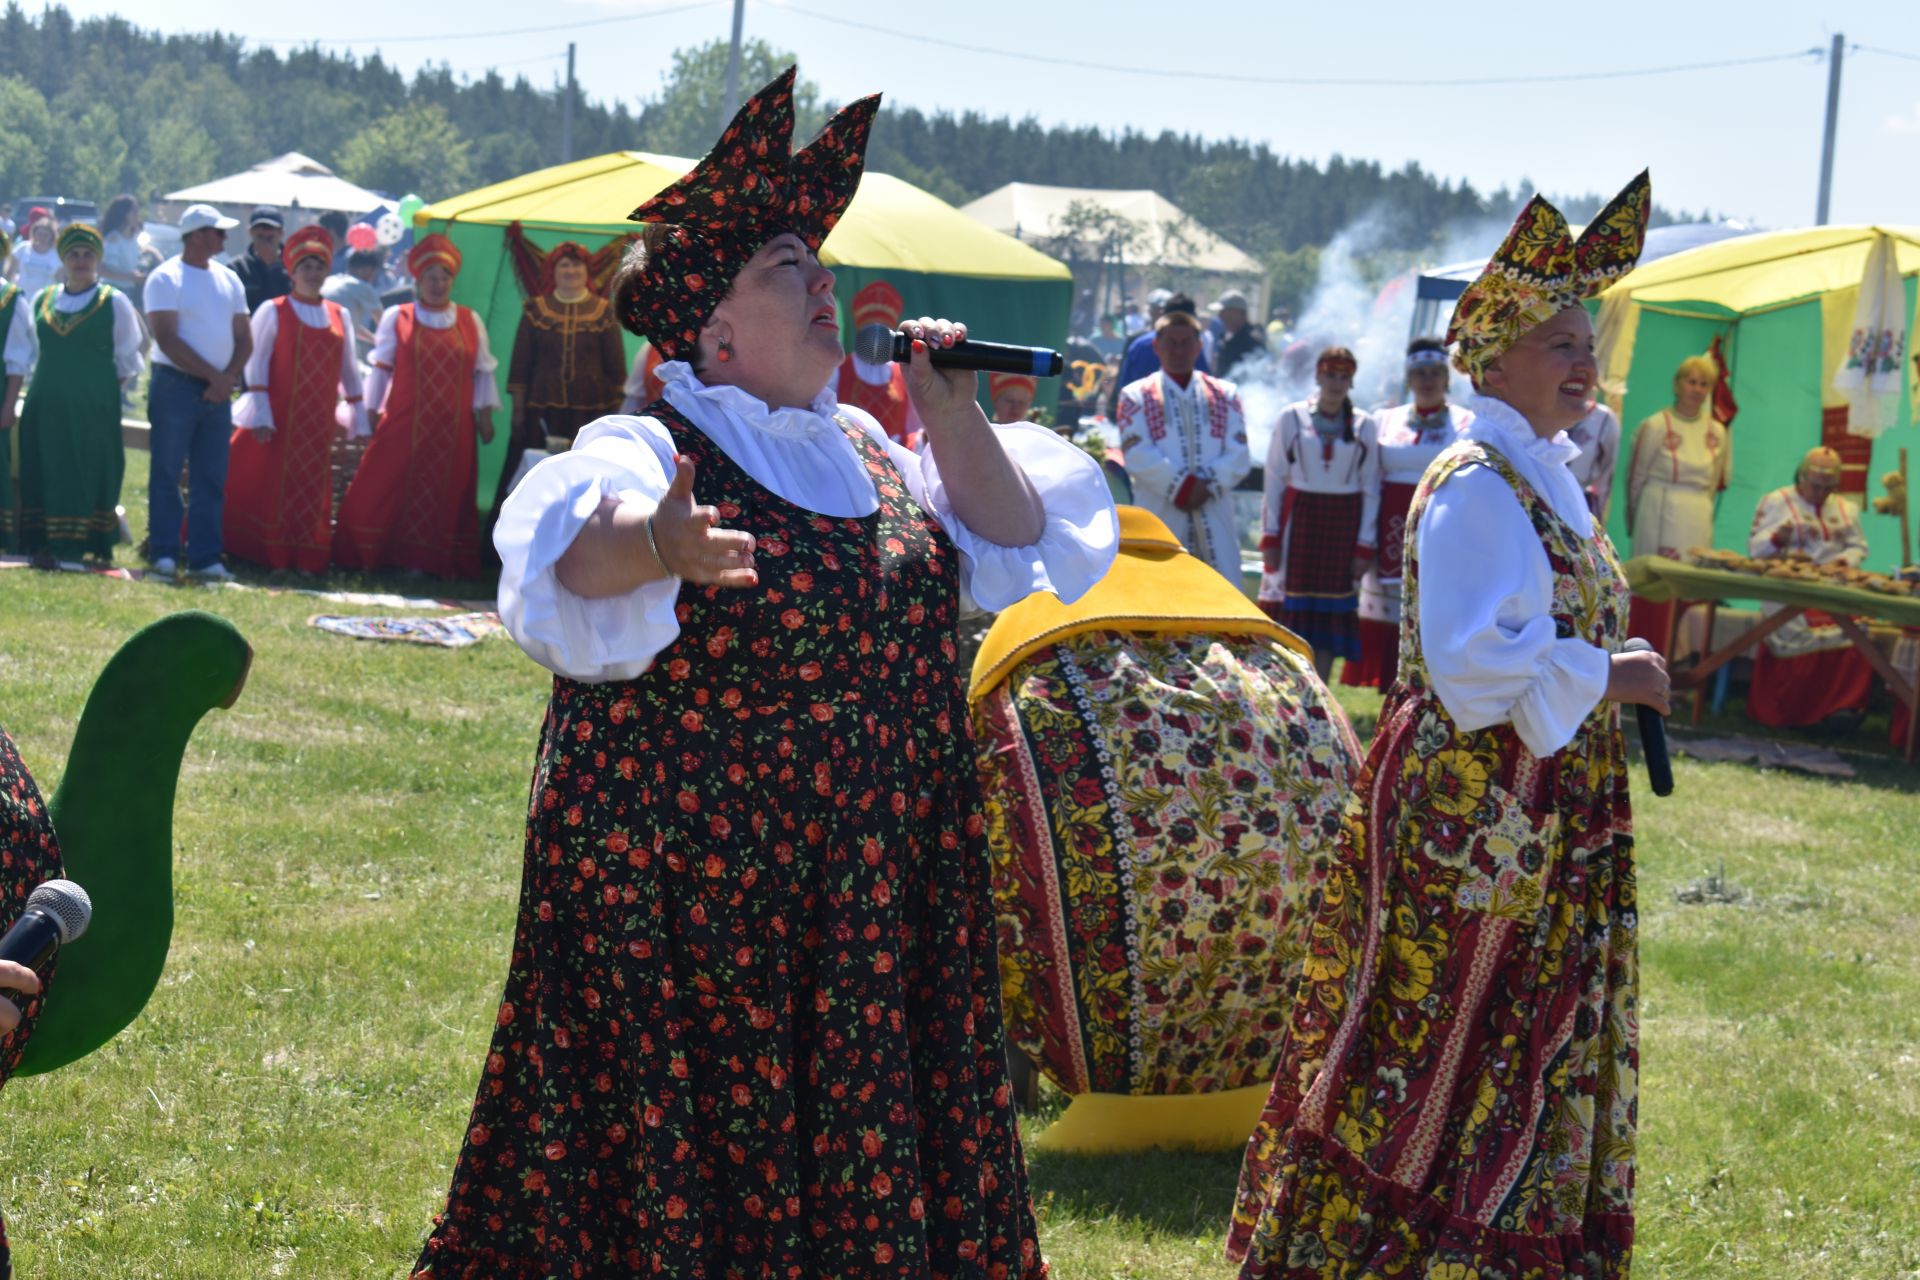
(566, 112)
(732, 103)
(1833, 121)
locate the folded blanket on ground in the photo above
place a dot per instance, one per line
(454, 632)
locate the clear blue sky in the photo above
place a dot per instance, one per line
(1744, 141)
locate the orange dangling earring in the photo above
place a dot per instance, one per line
(724, 354)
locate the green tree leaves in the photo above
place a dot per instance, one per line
(415, 148)
(26, 129)
(94, 152)
(685, 119)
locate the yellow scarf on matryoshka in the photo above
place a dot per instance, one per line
(1154, 585)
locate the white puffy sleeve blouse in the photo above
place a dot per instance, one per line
(805, 457)
(386, 349)
(1486, 592)
(254, 411)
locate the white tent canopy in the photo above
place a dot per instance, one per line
(288, 182)
(1030, 212)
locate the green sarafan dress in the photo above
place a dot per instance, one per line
(1456, 1094)
(72, 459)
(9, 440)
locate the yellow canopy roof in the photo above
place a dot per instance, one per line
(1759, 272)
(891, 225)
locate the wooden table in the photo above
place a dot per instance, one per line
(1660, 580)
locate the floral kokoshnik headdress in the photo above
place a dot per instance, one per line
(1540, 270)
(750, 188)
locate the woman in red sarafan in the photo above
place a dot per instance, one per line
(751, 1025)
(411, 504)
(1457, 1089)
(303, 385)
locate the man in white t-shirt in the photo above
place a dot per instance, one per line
(197, 309)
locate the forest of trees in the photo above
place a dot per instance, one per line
(91, 108)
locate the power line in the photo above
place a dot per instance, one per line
(1890, 53)
(363, 41)
(1304, 81)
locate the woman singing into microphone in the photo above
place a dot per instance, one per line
(752, 1020)
(1456, 1093)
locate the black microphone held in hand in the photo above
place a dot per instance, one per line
(57, 913)
(1653, 734)
(877, 344)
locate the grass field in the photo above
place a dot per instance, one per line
(348, 859)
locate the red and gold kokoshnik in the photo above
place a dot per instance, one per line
(433, 251)
(307, 242)
(746, 191)
(1540, 270)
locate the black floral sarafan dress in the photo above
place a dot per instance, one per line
(751, 1025)
(29, 856)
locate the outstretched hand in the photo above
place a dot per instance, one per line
(690, 544)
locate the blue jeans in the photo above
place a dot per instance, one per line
(186, 428)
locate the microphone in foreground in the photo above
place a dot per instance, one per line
(877, 344)
(57, 913)
(1653, 734)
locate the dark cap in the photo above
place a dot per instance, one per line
(265, 213)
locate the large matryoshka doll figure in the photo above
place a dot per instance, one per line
(1164, 775)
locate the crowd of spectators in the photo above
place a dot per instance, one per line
(89, 313)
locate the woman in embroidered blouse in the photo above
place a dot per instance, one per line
(86, 337)
(1411, 436)
(752, 1022)
(1682, 458)
(1457, 1089)
(1320, 513)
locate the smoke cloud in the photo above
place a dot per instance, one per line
(1348, 309)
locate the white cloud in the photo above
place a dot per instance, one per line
(1908, 122)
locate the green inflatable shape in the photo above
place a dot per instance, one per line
(113, 815)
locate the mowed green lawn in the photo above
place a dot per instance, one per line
(348, 860)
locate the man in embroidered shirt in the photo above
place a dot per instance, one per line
(1185, 440)
(1142, 356)
(1808, 669)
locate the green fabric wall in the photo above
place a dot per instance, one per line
(1776, 359)
(1029, 312)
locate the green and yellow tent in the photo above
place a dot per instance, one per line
(942, 262)
(1783, 304)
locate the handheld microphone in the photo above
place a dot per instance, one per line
(57, 913)
(877, 344)
(1653, 734)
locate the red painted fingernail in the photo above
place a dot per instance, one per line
(918, 346)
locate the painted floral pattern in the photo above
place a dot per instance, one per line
(1456, 1094)
(1160, 809)
(751, 1025)
(29, 856)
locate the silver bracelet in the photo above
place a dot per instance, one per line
(655, 548)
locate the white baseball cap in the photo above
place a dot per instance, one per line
(199, 216)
